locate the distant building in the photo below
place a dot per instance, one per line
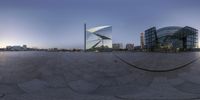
(16, 48)
(142, 40)
(137, 48)
(117, 46)
(130, 47)
(8, 47)
(25, 47)
(53, 49)
(2, 49)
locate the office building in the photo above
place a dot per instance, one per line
(142, 40)
(172, 37)
(117, 46)
(130, 47)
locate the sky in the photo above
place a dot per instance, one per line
(59, 23)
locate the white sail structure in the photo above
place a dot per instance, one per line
(99, 37)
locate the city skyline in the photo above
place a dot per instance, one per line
(59, 24)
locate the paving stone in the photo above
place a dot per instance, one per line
(176, 81)
(9, 89)
(192, 77)
(56, 81)
(34, 85)
(82, 86)
(118, 90)
(160, 90)
(71, 77)
(189, 87)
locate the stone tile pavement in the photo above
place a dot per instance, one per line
(98, 76)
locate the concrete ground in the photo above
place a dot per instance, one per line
(99, 76)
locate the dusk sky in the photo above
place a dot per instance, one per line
(59, 23)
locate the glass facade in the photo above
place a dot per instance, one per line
(150, 37)
(171, 37)
(99, 38)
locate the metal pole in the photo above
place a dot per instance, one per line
(85, 37)
(102, 44)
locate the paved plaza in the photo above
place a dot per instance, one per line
(99, 76)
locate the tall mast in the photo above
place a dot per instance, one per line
(84, 36)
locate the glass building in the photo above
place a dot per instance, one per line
(172, 37)
(99, 38)
(150, 38)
